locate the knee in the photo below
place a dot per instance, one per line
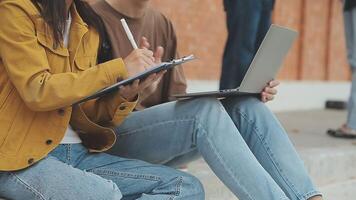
(206, 101)
(207, 104)
(245, 104)
(192, 187)
(112, 192)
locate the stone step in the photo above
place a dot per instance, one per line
(340, 191)
(330, 165)
(332, 169)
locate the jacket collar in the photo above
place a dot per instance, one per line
(77, 30)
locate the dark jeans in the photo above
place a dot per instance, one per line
(247, 22)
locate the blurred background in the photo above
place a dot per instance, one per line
(316, 67)
(319, 53)
(316, 70)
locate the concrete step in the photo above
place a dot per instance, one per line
(330, 165)
(340, 191)
(332, 169)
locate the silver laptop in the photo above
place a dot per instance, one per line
(263, 68)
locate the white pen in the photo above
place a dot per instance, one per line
(128, 33)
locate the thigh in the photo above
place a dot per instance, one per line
(350, 33)
(265, 22)
(353, 85)
(53, 179)
(141, 180)
(158, 134)
(351, 118)
(243, 18)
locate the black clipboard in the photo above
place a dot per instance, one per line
(161, 67)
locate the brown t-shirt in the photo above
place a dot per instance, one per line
(159, 32)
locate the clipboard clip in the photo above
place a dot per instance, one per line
(183, 59)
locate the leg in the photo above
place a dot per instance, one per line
(176, 128)
(348, 130)
(157, 135)
(350, 31)
(243, 18)
(140, 180)
(265, 21)
(53, 179)
(351, 119)
(350, 35)
(270, 144)
(184, 159)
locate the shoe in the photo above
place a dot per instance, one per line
(342, 132)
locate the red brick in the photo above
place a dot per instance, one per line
(289, 13)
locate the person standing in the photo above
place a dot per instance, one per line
(247, 23)
(348, 130)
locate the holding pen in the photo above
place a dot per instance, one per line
(146, 61)
(159, 52)
(128, 33)
(156, 56)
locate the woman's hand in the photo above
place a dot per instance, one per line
(158, 54)
(130, 92)
(269, 91)
(138, 61)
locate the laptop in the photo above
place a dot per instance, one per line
(263, 68)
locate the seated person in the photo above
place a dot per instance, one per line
(247, 149)
(48, 59)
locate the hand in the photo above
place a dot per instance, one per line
(269, 91)
(158, 54)
(138, 61)
(130, 92)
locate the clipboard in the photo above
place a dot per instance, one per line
(141, 76)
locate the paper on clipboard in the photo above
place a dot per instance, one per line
(140, 76)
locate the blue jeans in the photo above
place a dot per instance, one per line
(247, 23)
(351, 117)
(70, 172)
(350, 31)
(249, 151)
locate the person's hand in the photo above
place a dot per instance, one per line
(138, 61)
(130, 92)
(269, 91)
(158, 54)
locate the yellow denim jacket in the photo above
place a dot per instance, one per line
(39, 83)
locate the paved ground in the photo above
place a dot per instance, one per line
(307, 131)
(307, 128)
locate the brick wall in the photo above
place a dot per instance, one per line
(319, 53)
